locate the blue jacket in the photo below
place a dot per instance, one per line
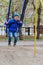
(14, 25)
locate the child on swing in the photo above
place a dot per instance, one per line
(14, 25)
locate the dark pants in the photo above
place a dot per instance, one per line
(15, 35)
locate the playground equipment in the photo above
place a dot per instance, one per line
(22, 14)
(35, 23)
(23, 9)
(9, 10)
(22, 17)
(8, 14)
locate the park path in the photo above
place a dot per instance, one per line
(20, 55)
(38, 42)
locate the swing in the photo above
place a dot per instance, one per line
(22, 14)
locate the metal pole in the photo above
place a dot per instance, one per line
(22, 16)
(23, 9)
(35, 38)
(8, 15)
(35, 24)
(9, 9)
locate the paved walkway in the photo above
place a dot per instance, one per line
(20, 54)
(38, 42)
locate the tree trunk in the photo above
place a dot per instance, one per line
(38, 23)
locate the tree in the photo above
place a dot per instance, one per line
(38, 22)
(37, 9)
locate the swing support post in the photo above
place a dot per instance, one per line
(8, 14)
(35, 24)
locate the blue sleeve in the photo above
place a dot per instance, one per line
(5, 23)
(20, 24)
(10, 21)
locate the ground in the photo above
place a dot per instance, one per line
(21, 54)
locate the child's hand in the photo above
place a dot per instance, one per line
(6, 22)
(20, 21)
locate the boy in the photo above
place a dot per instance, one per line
(14, 25)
